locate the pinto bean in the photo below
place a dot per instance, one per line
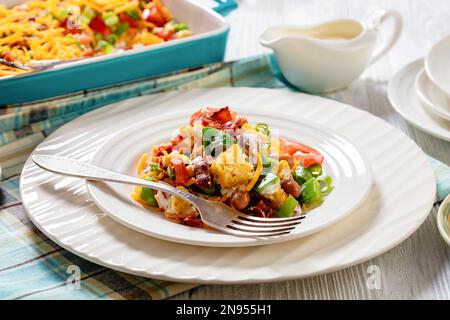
(291, 187)
(240, 200)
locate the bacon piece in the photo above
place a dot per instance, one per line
(158, 150)
(261, 209)
(192, 221)
(213, 117)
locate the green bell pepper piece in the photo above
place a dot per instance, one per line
(98, 37)
(75, 41)
(87, 15)
(61, 15)
(148, 195)
(78, 44)
(133, 13)
(101, 44)
(112, 38)
(181, 26)
(154, 167)
(287, 208)
(301, 175)
(266, 182)
(311, 191)
(121, 29)
(315, 170)
(325, 184)
(109, 48)
(269, 165)
(263, 128)
(213, 190)
(85, 20)
(170, 173)
(110, 18)
(185, 159)
(88, 12)
(266, 162)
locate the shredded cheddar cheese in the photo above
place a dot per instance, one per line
(142, 163)
(259, 166)
(72, 29)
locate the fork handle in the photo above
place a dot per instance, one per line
(80, 169)
(13, 65)
(38, 65)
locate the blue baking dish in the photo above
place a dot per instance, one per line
(207, 45)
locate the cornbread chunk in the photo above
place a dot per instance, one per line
(230, 168)
(180, 207)
(278, 197)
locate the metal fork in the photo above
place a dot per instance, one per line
(215, 214)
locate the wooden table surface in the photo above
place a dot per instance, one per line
(418, 268)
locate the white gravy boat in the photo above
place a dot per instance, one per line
(329, 56)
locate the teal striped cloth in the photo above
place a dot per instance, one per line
(32, 266)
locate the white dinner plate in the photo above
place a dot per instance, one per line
(437, 64)
(431, 96)
(350, 172)
(401, 197)
(405, 100)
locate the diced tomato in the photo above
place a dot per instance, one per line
(124, 17)
(164, 34)
(308, 159)
(181, 174)
(301, 152)
(98, 25)
(68, 28)
(155, 17)
(8, 56)
(71, 31)
(292, 146)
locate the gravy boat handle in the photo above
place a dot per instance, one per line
(376, 21)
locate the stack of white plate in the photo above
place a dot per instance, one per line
(420, 91)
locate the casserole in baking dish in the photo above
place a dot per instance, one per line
(205, 45)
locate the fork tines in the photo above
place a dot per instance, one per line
(249, 226)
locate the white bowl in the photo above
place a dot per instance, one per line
(437, 64)
(443, 219)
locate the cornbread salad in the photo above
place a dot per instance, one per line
(218, 155)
